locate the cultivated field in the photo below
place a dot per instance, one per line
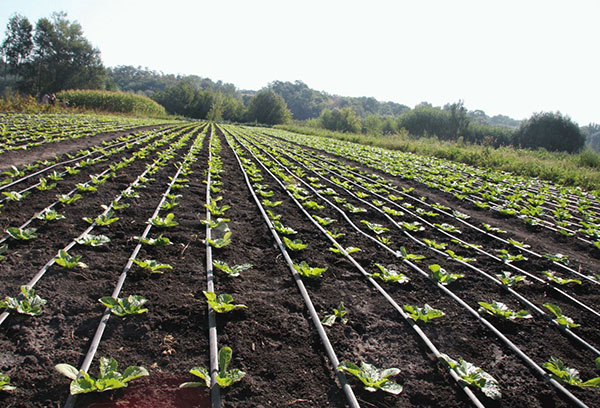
(474, 284)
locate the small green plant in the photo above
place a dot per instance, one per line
(310, 272)
(67, 199)
(440, 275)
(295, 245)
(231, 271)
(390, 275)
(425, 313)
(560, 258)
(85, 187)
(373, 378)
(570, 375)
(15, 196)
(551, 276)
(493, 229)
(349, 250)
(215, 223)
(409, 257)
(50, 215)
(335, 233)
(26, 303)
(68, 261)
(22, 234)
(108, 377)
(55, 176)
(158, 241)
(270, 203)
(102, 220)
(561, 319)
(131, 305)
(220, 242)
(339, 313)
(391, 211)
(222, 303)
(273, 216)
(151, 265)
(93, 240)
(453, 255)
(508, 258)
(324, 221)
(432, 244)
(163, 222)
(5, 383)
(313, 205)
(355, 210)
(279, 227)
(225, 377)
(376, 228)
(448, 228)
(499, 309)
(509, 279)
(214, 209)
(475, 376)
(44, 185)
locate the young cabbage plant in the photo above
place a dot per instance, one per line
(22, 234)
(493, 229)
(551, 276)
(409, 257)
(273, 216)
(518, 244)
(389, 275)
(508, 258)
(50, 215)
(349, 250)
(85, 187)
(5, 383)
(465, 245)
(339, 313)
(570, 375)
(279, 227)
(66, 260)
(222, 303)
(231, 271)
(448, 228)
(215, 223)
(67, 199)
(355, 210)
(131, 305)
(214, 209)
(560, 258)
(432, 244)
(93, 240)
(102, 220)
(335, 233)
(313, 205)
(108, 377)
(295, 245)
(475, 376)
(16, 196)
(561, 319)
(163, 222)
(158, 241)
(440, 275)
(310, 272)
(376, 228)
(508, 279)
(425, 313)
(219, 243)
(372, 377)
(324, 221)
(391, 211)
(499, 309)
(225, 377)
(26, 303)
(453, 255)
(270, 203)
(44, 185)
(412, 226)
(151, 265)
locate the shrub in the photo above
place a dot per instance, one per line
(551, 131)
(112, 101)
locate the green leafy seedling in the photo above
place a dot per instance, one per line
(475, 376)
(22, 234)
(93, 240)
(339, 313)
(551, 276)
(425, 313)
(499, 309)
(222, 303)
(131, 305)
(570, 375)
(561, 319)
(373, 378)
(220, 242)
(161, 222)
(410, 257)
(215, 223)
(108, 377)
(158, 241)
(5, 383)
(231, 271)
(15, 196)
(282, 229)
(225, 377)
(508, 279)
(440, 275)
(151, 265)
(295, 245)
(310, 272)
(66, 260)
(67, 199)
(49, 215)
(214, 209)
(26, 303)
(390, 275)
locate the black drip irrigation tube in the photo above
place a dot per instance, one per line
(215, 393)
(85, 366)
(532, 364)
(351, 398)
(379, 288)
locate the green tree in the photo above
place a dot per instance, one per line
(62, 58)
(18, 43)
(341, 120)
(269, 108)
(551, 131)
(372, 125)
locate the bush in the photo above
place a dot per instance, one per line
(341, 120)
(550, 131)
(269, 108)
(111, 101)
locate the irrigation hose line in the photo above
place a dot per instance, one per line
(215, 394)
(411, 323)
(70, 403)
(491, 327)
(348, 392)
(487, 233)
(74, 160)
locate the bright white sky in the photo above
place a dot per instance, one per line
(511, 57)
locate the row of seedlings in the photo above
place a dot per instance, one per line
(403, 254)
(68, 318)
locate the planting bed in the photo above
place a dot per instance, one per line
(328, 195)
